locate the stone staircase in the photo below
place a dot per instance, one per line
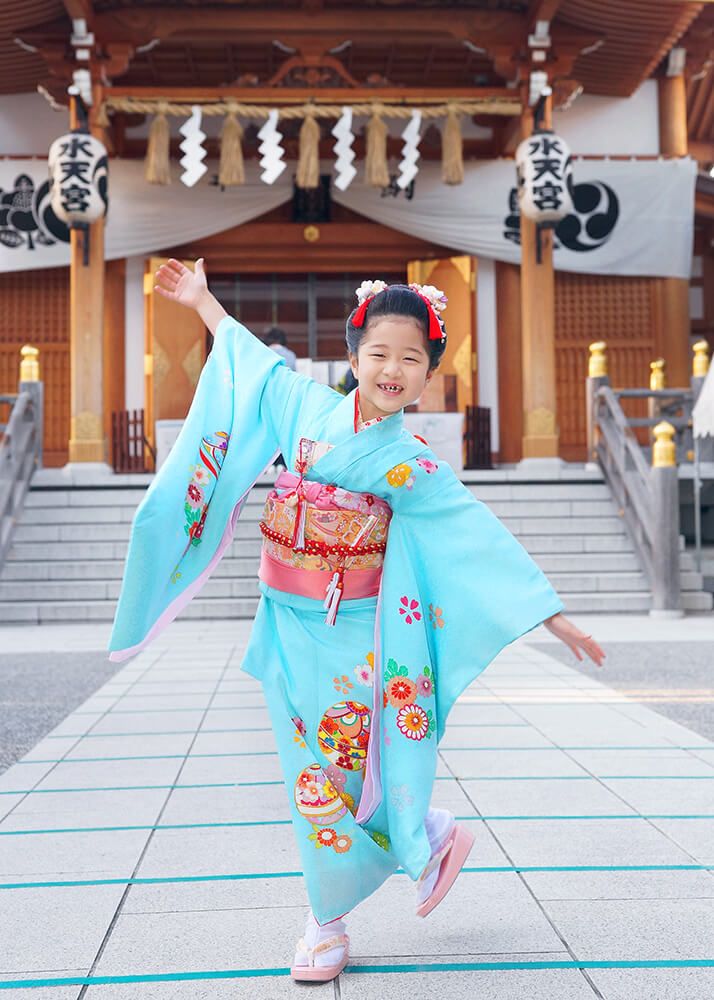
(67, 555)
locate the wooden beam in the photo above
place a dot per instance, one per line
(473, 149)
(325, 95)
(143, 23)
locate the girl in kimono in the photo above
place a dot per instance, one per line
(386, 588)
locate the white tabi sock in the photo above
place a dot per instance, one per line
(438, 823)
(315, 933)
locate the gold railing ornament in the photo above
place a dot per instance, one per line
(658, 374)
(664, 450)
(30, 364)
(597, 365)
(700, 362)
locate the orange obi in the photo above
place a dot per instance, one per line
(311, 531)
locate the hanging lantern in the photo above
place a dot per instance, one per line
(545, 177)
(78, 178)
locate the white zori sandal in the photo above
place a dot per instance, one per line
(326, 958)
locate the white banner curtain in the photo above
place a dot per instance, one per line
(633, 217)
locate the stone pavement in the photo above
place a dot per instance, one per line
(146, 851)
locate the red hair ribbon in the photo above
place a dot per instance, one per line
(358, 319)
(435, 330)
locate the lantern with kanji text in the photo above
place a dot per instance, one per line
(78, 178)
(545, 177)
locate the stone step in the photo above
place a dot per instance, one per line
(507, 508)
(561, 570)
(115, 531)
(237, 565)
(488, 492)
(247, 586)
(539, 546)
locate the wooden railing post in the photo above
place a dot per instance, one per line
(666, 584)
(597, 376)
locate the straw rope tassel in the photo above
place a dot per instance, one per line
(452, 150)
(231, 170)
(376, 171)
(157, 170)
(308, 168)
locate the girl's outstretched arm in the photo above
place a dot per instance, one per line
(189, 288)
(576, 640)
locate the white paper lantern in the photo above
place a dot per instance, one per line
(78, 178)
(545, 177)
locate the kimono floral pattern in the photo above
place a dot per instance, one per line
(401, 475)
(436, 616)
(401, 693)
(204, 475)
(408, 608)
(364, 672)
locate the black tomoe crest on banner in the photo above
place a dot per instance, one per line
(596, 210)
(26, 216)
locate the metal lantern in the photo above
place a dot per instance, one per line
(545, 177)
(78, 178)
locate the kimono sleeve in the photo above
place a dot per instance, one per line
(245, 398)
(478, 587)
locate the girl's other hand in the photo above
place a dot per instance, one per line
(574, 638)
(179, 283)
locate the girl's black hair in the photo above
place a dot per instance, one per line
(396, 300)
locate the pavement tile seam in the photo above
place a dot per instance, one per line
(118, 911)
(505, 691)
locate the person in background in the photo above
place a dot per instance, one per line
(275, 339)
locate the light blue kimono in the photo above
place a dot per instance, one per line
(456, 588)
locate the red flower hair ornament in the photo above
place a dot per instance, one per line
(433, 298)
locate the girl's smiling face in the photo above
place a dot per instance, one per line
(392, 352)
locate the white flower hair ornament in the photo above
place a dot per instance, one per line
(368, 289)
(433, 298)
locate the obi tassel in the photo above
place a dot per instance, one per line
(299, 534)
(334, 595)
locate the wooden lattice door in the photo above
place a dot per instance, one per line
(456, 277)
(175, 352)
(35, 310)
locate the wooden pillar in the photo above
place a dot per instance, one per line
(540, 430)
(114, 341)
(674, 292)
(510, 364)
(87, 441)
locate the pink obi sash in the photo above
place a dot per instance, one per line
(311, 530)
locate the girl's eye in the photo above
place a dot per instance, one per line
(381, 356)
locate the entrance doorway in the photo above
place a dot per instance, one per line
(311, 308)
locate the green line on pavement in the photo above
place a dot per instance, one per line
(483, 869)
(393, 967)
(286, 822)
(489, 777)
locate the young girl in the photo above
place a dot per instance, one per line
(386, 588)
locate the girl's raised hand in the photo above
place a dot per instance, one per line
(574, 638)
(179, 283)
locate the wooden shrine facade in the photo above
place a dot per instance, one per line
(482, 55)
